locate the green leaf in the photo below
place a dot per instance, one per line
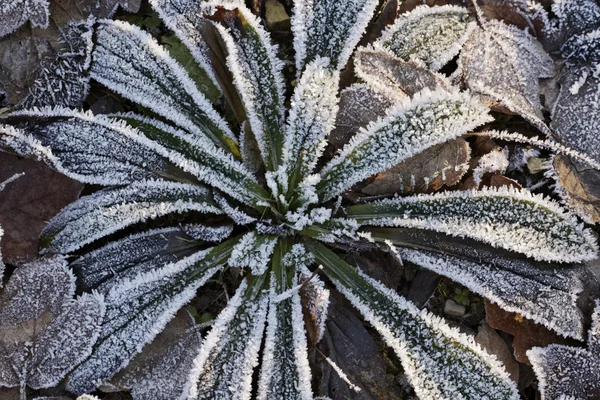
(107, 211)
(515, 220)
(430, 118)
(440, 362)
(139, 308)
(256, 70)
(229, 353)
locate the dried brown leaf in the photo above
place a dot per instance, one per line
(579, 185)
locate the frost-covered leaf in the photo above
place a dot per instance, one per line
(574, 114)
(359, 104)
(253, 251)
(431, 36)
(44, 333)
(441, 165)
(138, 309)
(576, 16)
(160, 371)
(311, 119)
(566, 372)
(130, 62)
(579, 187)
(439, 361)
(315, 300)
(123, 259)
(389, 74)
(107, 211)
(430, 118)
(229, 353)
(505, 64)
(64, 80)
(257, 75)
(329, 28)
(515, 220)
(14, 13)
(494, 161)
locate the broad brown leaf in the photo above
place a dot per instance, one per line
(579, 186)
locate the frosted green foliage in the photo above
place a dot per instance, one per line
(130, 62)
(311, 119)
(14, 13)
(64, 81)
(44, 332)
(515, 220)
(431, 36)
(139, 308)
(253, 251)
(160, 371)
(439, 361)
(566, 372)
(123, 259)
(505, 63)
(229, 353)
(430, 118)
(257, 76)
(510, 283)
(105, 212)
(285, 373)
(329, 29)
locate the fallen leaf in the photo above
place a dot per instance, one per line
(488, 338)
(441, 165)
(527, 334)
(17, 12)
(579, 185)
(28, 203)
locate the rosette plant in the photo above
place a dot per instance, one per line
(188, 194)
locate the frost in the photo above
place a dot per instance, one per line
(505, 63)
(130, 62)
(64, 81)
(428, 119)
(208, 233)
(576, 16)
(253, 251)
(515, 220)
(124, 259)
(14, 13)
(315, 36)
(285, 373)
(138, 309)
(105, 212)
(494, 161)
(546, 296)
(429, 36)
(317, 300)
(229, 353)
(160, 371)
(44, 332)
(438, 360)
(566, 372)
(257, 75)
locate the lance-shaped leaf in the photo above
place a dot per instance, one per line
(253, 251)
(107, 211)
(64, 81)
(284, 373)
(548, 294)
(44, 333)
(505, 63)
(256, 70)
(184, 17)
(329, 28)
(515, 220)
(566, 372)
(123, 259)
(138, 309)
(130, 62)
(440, 362)
(311, 119)
(431, 36)
(15, 13)
(428, 119)
(160, 371)
(229, 353)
